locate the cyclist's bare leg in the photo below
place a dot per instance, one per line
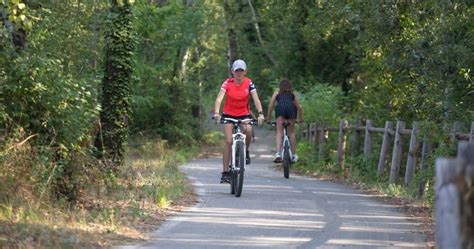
(291, 135)
(227, 145)
(248, 135)
(279, 135)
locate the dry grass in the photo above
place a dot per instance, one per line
(111, 210)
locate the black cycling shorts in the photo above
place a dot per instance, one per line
(288, 112)
(248, 116)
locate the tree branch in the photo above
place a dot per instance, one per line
(259, 35)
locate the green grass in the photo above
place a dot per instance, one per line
(363, 173)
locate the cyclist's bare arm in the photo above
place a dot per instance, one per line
(217, 105)
(258, 105)
(256, 101)
(271, 105)
(300, 110)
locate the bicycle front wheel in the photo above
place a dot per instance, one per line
(240, 169)
(232, 182)
(233, 172)
(286, 160)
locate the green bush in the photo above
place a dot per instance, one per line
(322, 104)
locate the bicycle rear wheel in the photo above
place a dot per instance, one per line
(286, 160)
(239, 173)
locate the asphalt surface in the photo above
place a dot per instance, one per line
(274, 212)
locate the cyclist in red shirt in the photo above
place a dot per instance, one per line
(237, 90)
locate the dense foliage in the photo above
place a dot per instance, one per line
(404, 60)
(384, 60)
(48, 90)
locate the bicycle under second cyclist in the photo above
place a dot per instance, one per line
(286, 132)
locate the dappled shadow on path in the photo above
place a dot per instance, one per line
(295, 213)
(275, 212)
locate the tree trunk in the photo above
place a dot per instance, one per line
(232, 50)
(120, 44)
(16, 35)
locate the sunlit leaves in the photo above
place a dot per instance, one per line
(411, 55)
(121, 3)
(49, 88)
(16, 11)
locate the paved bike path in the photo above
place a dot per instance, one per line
(274, 212)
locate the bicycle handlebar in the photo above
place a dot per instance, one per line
(249, 121)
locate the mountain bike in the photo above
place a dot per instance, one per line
(238, 154)
(285, 152)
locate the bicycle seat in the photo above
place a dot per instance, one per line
(285, 124)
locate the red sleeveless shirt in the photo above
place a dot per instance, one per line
(237, 96)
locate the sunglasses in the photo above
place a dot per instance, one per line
(239, 70)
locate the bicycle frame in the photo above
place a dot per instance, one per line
(237, 169)
(285, 139)
(237, 136)
(286, 146)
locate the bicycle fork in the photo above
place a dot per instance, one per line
(236, 138)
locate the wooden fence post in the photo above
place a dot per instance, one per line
(425, 150)
(315, 142)
(471, 135)
(448, 205)
(316, 134)
(466, 154)
(454, 199)
(368, 139)
(341, 145)
(308, 136)
(322, 141)
(303, 132)
(397, 153)
(355, 139)
(310, 131)
(412, 152)
(385, 144)
(313, 132)
(457, 127)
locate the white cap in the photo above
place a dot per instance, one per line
(239, 64)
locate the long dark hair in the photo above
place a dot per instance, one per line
(285, 86)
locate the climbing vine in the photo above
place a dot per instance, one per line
(120, 43)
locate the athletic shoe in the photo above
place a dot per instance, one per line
(277, 158)
(294, 159)
(247, 157)
(225, 177)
